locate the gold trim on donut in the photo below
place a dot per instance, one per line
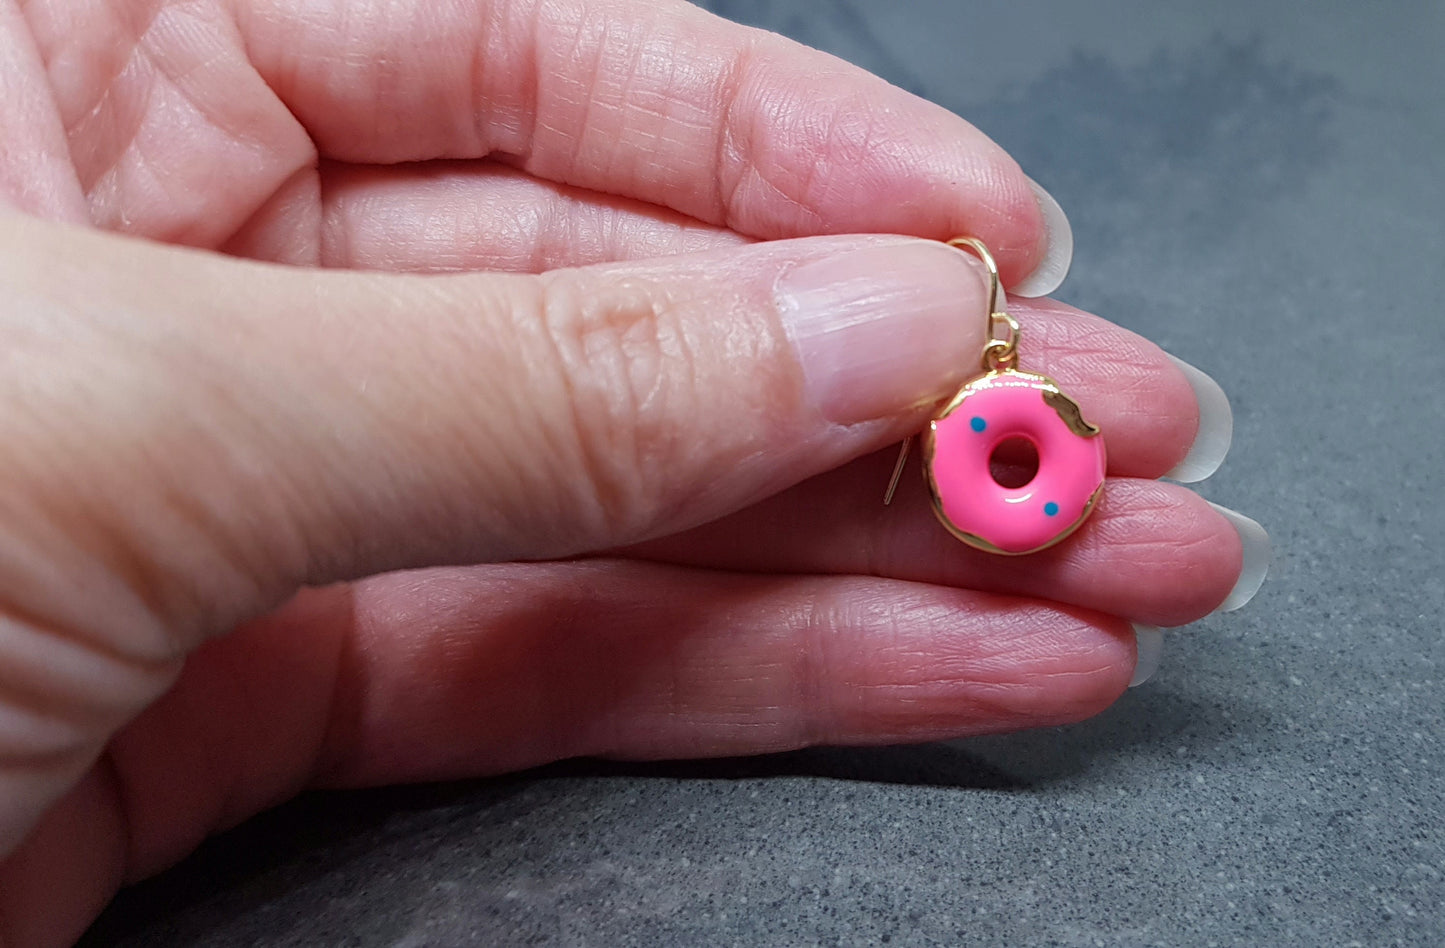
(1069, 413)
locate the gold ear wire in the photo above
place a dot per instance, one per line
(898, 467)
(981, 249)
(999, 352)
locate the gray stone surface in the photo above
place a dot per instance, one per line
(1258, 187)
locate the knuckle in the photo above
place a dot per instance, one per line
(63, 692)
(625, 372)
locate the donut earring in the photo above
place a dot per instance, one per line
(1005, 404)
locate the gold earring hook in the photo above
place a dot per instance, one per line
(999, 352)
(981, 250)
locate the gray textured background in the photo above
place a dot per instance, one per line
(1258, 187)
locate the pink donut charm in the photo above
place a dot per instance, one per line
(959, 444)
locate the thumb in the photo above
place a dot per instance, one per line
(190, 438)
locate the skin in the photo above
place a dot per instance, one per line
(216, 467)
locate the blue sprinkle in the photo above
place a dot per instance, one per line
(1051, 509)
(977, 424)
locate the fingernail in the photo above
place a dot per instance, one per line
(1256, 559)
(882, 327)
(1149, 649)
(1058, 254)
(1216, 428)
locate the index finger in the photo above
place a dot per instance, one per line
(659, 101)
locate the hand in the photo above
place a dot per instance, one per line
(669, 463)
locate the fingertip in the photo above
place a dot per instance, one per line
(1168, 560)
(1074, 667)
(1254, 558)
(1058, 247)
(1148, 653)
(1215, 432)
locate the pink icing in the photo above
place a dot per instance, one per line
(1018, 519)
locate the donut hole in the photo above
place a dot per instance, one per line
(1014, 462)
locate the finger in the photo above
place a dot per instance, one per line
(1153, 552)
(35, 172)
(449, 216)
(191, 438)
(166, 127)
(486, 670)
(623, 659)
(661, 102)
